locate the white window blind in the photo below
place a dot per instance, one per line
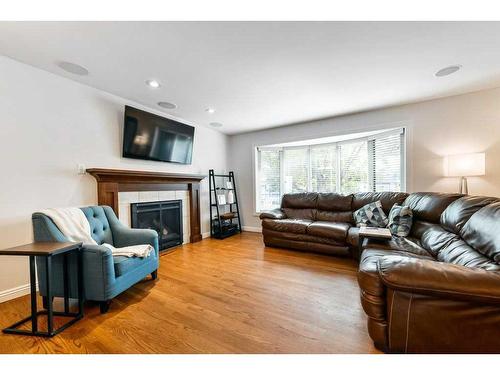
(353, 167)
(324, 168)
(386, 162)
(296, 170)
(373, 163)
(269, 190)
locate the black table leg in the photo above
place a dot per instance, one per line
(50, 304)
(34, 315)
(80, 282)
(66, 282)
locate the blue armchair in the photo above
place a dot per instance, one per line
(104, 276)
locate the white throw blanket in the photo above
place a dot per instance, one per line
(72, 222)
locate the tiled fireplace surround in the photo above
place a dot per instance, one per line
(126, 198)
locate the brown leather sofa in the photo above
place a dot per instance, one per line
(320, 222)
(437, 290)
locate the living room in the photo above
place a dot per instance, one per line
(270, 187)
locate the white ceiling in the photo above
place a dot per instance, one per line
(265, 74)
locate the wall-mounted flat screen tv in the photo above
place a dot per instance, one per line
(152, 137)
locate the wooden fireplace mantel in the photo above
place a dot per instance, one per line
(112, 181)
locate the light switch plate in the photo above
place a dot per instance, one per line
(81, 169)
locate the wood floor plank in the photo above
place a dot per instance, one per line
(213, 296)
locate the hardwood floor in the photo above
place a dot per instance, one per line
(230, 296)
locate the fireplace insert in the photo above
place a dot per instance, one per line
(164, 217)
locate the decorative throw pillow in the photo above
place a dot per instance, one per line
(371, 215)
(400, 220)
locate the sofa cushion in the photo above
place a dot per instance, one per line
(124, 265)
(300, 213)
(458, 252)
(289, 236)
(300, 200)
(482, 231)
(436, 239)
(334, 202)
(298, 226)
(459, 212)
(387, 198)
(328, 229)
(400, 220)
(406, 244)
(371, 215)
(338, 216)
(429, 206)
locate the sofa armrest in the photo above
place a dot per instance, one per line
(275, 214)
(444, 280)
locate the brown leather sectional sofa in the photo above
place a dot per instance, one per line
(437, 290)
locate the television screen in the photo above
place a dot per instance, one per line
(151, 137)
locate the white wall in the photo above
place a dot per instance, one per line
(454, 125)
(48, 125)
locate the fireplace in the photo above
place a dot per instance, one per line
(164, 217)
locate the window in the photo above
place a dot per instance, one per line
(269, 179)
(370, 163)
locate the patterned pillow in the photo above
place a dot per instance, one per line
(400, 220)
(371, 215)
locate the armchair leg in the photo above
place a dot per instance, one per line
(104, 306)
(154, 275)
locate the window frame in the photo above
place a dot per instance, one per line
(399, 129)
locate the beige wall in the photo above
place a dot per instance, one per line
(48, 126)
(458, 124)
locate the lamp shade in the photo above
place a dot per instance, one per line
(465, 165)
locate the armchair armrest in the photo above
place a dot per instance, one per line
(98, 270)
(273, 214)
(124, 236)
(450, 281)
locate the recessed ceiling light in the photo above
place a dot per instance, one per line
(73, 68)
(448, 70)
(153, 83)
(215, 124)
(210, 110)
(167, 105)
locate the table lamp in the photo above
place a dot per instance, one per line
(463, 166)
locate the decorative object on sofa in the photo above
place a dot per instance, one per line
(400, 220)
(104, 275)
(371, 215)
(224, 214)
(463, 166)
(45, 252)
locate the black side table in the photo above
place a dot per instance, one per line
(48, 250)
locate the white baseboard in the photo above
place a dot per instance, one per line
(251, 229)
(18, 291)
(243, 228)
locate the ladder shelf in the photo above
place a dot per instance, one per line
(224, 216)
